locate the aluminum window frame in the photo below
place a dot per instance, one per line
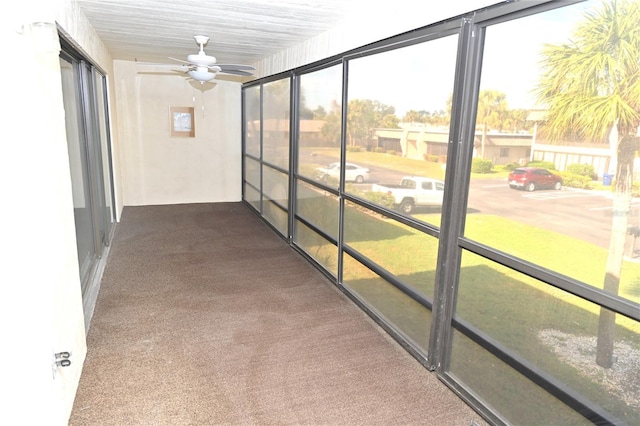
(471, 29)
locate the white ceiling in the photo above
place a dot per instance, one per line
(240, 31)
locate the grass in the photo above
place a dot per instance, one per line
(407, 165)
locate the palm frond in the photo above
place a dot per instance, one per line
(592, 82)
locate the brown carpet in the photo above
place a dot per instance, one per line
(206, 317)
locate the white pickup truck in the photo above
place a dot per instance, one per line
(412, 192)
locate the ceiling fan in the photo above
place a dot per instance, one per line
(202, 67)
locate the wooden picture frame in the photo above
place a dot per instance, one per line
(183, 122)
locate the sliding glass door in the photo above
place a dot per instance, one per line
(89, 159)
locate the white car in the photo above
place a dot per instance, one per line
(352, 172)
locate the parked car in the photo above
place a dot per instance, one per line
(352, 172)
(532, 178)
(413, 191)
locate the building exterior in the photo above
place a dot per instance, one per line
(422, 143)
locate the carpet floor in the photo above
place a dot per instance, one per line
(206, 317)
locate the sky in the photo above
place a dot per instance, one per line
(420, 77)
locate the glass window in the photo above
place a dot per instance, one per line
(550, 329)
(402, 312)
(276, 186)
(275, 214)
(547, 187)
(319, 208)
(407, 253)
(316, 246)
(275, 123)
(252, 172)
(320, 125)
(252, 196)
(551, 201)
(500, 387)
(252, 126)
(399, 128)
(275, 191)
(562, 212)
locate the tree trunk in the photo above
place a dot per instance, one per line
(484, 139)
(615, 258)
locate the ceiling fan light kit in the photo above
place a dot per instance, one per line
(202, 67)
(201, 75)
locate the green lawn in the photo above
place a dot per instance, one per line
(407, 165)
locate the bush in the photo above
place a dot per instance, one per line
(351, 148)
(574, 180)
(432, 158)
(583, 170)
(380, 198)
(379, 149)
(391, 152)
(480, 165)
(635, 188)
(544, 164)
(511, 166)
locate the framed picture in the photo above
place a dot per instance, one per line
(183, 122)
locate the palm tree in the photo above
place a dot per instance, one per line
(492, 107)
(591, 86)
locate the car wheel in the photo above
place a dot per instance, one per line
(406, 206)
(359, 179)
(531, 187)
(557, 186)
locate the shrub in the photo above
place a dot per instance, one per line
(544, 164)
(391, 152)
(351, 148)
(432, 158)
(511, 166)
(480, 165)
(380, 198)
(379, 149)
(635, 188)
(583, 170)
(574, 180)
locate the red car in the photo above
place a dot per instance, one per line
(532, 178)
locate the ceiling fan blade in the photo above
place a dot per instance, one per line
(180, 60)
(236, 67)
(173, 73)
(173, 67)
(236, 72)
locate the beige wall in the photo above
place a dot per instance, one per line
(160, 169)
(41, 305)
